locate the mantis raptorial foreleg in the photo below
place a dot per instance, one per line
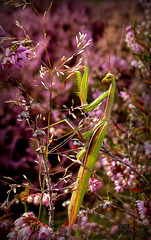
(96, 135)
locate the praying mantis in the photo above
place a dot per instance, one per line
(95, 138)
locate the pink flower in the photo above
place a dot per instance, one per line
(94, 184)
(118, 189)
(134, 63)
(37, 199)
(45, 233)
(28, 214)
(29, 199)
(124, 95)
(24, 233)
(45, 200)
(19, 222)
(104, 161)
(2, 31)
(128, 28)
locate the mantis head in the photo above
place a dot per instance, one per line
(109, 77)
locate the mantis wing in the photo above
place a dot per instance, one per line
(83, 85)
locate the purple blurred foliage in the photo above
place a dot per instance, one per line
(60, 42)
(62, 24)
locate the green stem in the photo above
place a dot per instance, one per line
(25, 206)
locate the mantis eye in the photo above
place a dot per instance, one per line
(108, 77)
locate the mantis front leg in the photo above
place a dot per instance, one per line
(94, 145)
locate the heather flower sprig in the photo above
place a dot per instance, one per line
(131, 41)
(94, 184)
(144, 209)
(16, 58)
(140, 44)
(28, 227)
(36, 198)
(119, 174)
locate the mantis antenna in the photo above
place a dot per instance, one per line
(107, 43)
(118, 50)
(119, 47)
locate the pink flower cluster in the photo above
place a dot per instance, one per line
(95, 184)
(120, 174)
(28, 227)
(36, 198)
(15, 60)
(144, 208)
(131, 43)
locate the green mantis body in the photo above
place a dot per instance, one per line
(96, 137)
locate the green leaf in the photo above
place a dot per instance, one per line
(134, 23)
(147, 58)
(149, 38)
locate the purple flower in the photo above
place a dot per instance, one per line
(114, 229)
(2, 31)
(144, 209)
(4, 225)
(147, 146)
(34, 236)
(129, 38)
(12, 236)
(137, 48)
(131, 43)
(45, 233)
(94, 184)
